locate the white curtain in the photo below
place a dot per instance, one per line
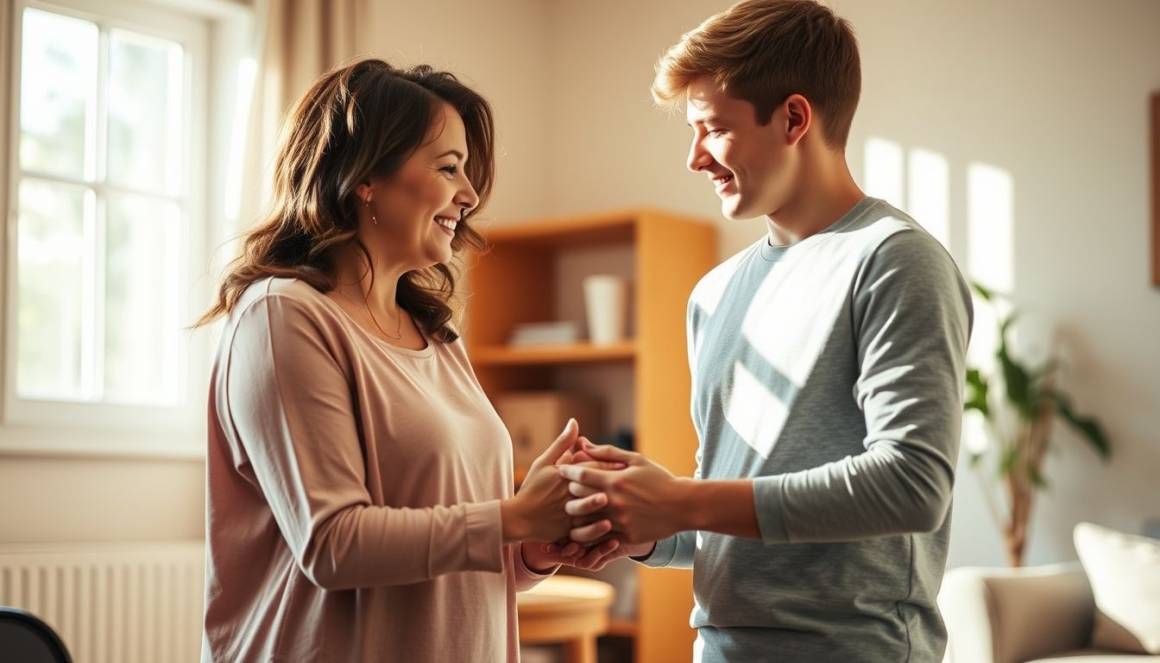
(298, 40)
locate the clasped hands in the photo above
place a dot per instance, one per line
(586, 505)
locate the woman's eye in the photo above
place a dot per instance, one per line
(451, 170)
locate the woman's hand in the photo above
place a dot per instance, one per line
(610, 550)
(545, 557)
(536, 511)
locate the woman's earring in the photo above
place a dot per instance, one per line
(373, 219)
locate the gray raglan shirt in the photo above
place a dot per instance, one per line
(830, 372)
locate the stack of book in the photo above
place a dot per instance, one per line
(545, 333)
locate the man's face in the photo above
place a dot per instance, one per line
(750, 166)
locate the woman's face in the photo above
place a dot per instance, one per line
(417, 208)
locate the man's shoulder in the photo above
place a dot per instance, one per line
(888, 238)
(711, 286)
(903, 244)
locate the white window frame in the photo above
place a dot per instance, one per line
(57, 427)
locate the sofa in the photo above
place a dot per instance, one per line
(1049, 614)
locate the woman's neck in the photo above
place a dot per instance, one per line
(375, 284)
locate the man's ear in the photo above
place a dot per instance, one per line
(799, 116)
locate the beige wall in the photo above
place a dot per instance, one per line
(499, 48)
(77, 499)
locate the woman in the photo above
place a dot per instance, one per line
(359, 482)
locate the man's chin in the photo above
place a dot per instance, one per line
(733, 208)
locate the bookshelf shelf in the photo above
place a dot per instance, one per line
(579, 353)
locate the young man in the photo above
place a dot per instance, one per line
(827, 363)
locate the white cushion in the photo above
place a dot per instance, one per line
(1089, 656)
(1124, 572)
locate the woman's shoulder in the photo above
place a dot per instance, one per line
(283, 297)
(285, 288)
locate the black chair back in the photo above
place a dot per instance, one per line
(24, 638)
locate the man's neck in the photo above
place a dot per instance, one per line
(815, 207)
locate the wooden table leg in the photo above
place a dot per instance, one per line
(581, 650)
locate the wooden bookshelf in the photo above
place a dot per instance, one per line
(515, 282)
(622, 628)
(579, 353)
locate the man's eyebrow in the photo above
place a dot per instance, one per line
(711, 119)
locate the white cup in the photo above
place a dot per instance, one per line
(605, 298)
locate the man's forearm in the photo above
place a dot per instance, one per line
(725, 507)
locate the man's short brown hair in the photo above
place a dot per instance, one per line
(763, 51)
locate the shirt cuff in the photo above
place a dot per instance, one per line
(662, 554)
(769, 503)
(484, 536)
(526, 577)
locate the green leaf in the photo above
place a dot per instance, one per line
(1037, 479)
(1016, 378)
(977, 389)
(1088, 427)
(1007, 460)
(1045, 370)
(1004, 326)
(984, 292)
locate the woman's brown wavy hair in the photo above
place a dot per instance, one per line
(359, 122)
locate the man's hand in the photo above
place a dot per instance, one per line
(643, 500)
(536, 511)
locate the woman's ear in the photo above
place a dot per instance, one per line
(364, 191)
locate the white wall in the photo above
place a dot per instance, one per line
(1053, 93)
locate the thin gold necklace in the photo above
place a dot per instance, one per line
(398, 336)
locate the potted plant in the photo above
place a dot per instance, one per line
(1018, 404)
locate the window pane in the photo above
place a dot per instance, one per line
(51, 257)
(57, 92)
(142, 329)
(145, 111)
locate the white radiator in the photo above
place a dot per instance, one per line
(135, 603)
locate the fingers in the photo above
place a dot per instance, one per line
(590, 533)
(581, 521)
(608, 452)
(586, 505)
(582, 457)
(580, 490)
(597, 557)
(600, 464)
(564, 547)
(585, 475)
(568, 554)
(558, 446)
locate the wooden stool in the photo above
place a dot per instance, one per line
(567, 610)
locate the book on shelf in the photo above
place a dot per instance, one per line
(544, 333)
